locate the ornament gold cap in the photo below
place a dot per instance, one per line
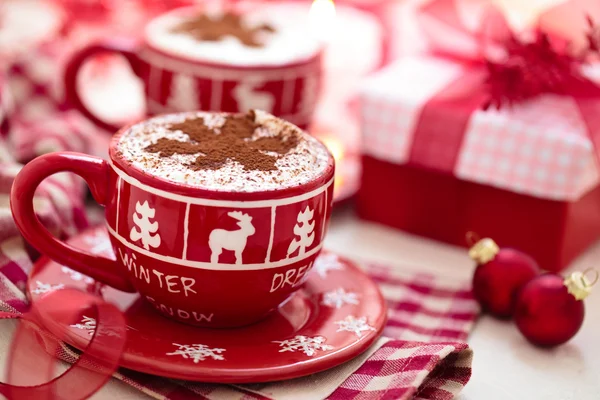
(484, 250)
(579, 285)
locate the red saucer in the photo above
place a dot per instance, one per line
(336, 316)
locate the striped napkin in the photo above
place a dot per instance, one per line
(422, 354)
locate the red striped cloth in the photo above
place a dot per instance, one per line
(423, 357)
(410, 370)
(39, 121)
(423, 307)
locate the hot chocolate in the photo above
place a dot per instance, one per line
(262, 36)
(219, 151)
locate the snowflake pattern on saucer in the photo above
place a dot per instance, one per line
(355, 325)
(338, 298)
(305, 344)
(333, 333)
(99, 244)
(197, 352)
(88, 324)
(46, 287)
(326, 263)
(76, 276)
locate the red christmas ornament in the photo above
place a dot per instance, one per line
(499, 275)
(549, 309)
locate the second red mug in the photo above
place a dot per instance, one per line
(176, 80)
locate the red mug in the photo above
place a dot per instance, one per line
(176, 82)
(203, 257)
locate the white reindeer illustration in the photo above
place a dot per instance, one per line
(248, 98)
(221, 239)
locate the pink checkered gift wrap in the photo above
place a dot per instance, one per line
(538, 148)
(422, 354)
(532, 165)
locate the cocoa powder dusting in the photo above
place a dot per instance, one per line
(168, 147)
(205, 28)
(233, 142)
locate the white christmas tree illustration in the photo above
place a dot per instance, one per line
(142, 218)
(338, 298)
(327, 262)
(197, 352)
(307, 345)
(355, 325)
(304, 229)
(46, 287)
(184, 93)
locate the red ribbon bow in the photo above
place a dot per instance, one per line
(37, 341)
(500, 68)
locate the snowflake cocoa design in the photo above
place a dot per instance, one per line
(354, 325)
(235, 141)
(197, 352)
(307, 345)
(338, 298)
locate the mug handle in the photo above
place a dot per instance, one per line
(125, 47)
(95, 172)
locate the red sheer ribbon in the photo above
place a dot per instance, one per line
(32, 354)
(486, 52)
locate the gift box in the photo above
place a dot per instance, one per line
(524, 175)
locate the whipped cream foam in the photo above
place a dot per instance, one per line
(292, 41)
(305, 162)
